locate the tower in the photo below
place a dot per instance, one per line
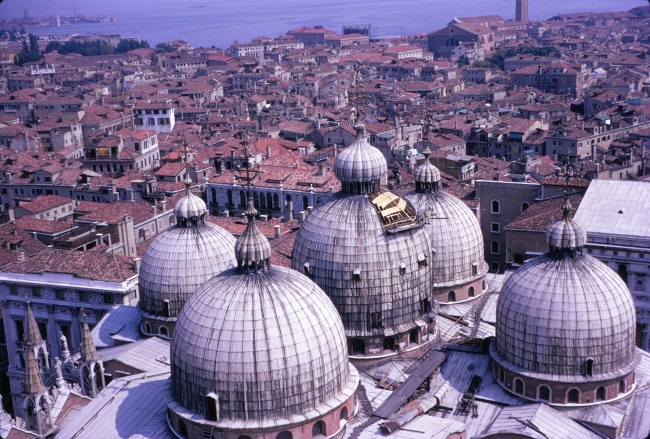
(91, 366)
(521, 11)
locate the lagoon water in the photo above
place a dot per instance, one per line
(206, 23)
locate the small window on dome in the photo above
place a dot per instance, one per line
(589, 367)
(356, 274)
(165, 308)
(422, 260)
(402, 268)
(307, 269)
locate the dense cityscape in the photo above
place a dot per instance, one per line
(327, 234)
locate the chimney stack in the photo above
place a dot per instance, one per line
(136, 264)
(277, 231)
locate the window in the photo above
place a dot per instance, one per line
(544, 393)
(470, 292)
(13, 289)
(621, 386)
(495, 208)
(108, 298)
(574, 396)
(84, 296)
(589, 367)
(524, 206)
(601, 394)
(318, 430)
(494, 266)
(36, 291)
(494, 247)
(165, 309)
(519, 386)
(212, 407)
(284, 435)
(495, 227)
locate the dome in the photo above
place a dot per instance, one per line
(270, 345)
(260, 347)
(566, 233)
(360, 166)
(566, 322)
(455, 234)
(346, 246)
(426, 176)
(182, 258)
(190, 206)
(557, 311)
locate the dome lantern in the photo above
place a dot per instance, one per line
(252, 249)
(427, 176)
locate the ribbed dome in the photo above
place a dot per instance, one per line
(560, 310)
(190, 206)
(426, 175)
(360, 165)
(455, 235)
(345, 247)
(566, 233)
(270, 345)
(180, 260)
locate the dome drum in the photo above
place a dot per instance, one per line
(461, 292)
(412, 342)
(154, 325)
(330, 422)
(561, 390)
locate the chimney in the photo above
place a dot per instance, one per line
(303, 215)
(99, 239)
(153, 210)
(290, 208)
(136, 264)
(277, 231)
(163, 204)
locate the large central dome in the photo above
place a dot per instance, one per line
(368, 251)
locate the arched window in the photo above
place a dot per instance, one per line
(242, 198)
(212, 407)
(172, 219)
(163, 331)
(496, 207)
(229, 194)
(451, 297)
(573, 396)
(452, 42)
(165, 308)
(589, 367)
(470, 292)
(544, 393)
(305, 203)
(494, 248)
(502, 375)
(276, 201)
(318, 430)
(213, 192)
(284, 435)
(244, 437)
(413, 336)
(519, 386)
(147, 327)
(601, 394)
(182, 428)
(524, 206)
(389, 343)
(622, 271)
(343, 417)
(358, 347)
(622, 387)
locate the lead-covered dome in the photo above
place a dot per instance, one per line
(360, 166)
(458, 266)
(182, 258)
(260, 347)
(565, 318)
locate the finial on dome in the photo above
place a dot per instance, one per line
(566, 234)
(252, 249)
(426, 176)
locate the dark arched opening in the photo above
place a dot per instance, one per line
(574, 396)
(519, 386)
(318, 430)
(389, 343)
(358, 347)
(601, 394)
(544, 393)
(451, 297)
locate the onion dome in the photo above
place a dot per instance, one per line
(360, 166)
(458, 266)
(259, 347)
(426, 176)
(566, 233)
(252, 249)
(567, 319)
(190, 207)
(182, 257)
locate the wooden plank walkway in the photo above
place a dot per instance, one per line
(408, 387)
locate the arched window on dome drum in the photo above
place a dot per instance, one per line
(470, 292)
(182, 428)
(589, 367)
(622, 386)
(147, 327)
(318, 430)
(451, 297)
(212, 407)
(495, 247)
(389, 343)
(622, 271)
(573, 396)
(544, 393)
(343, 417)
(358, 347)
(284, 435)
(413, 336)
(601, 394)
(495, 207)
(502, 376)
(163, 331)
(519, 386)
